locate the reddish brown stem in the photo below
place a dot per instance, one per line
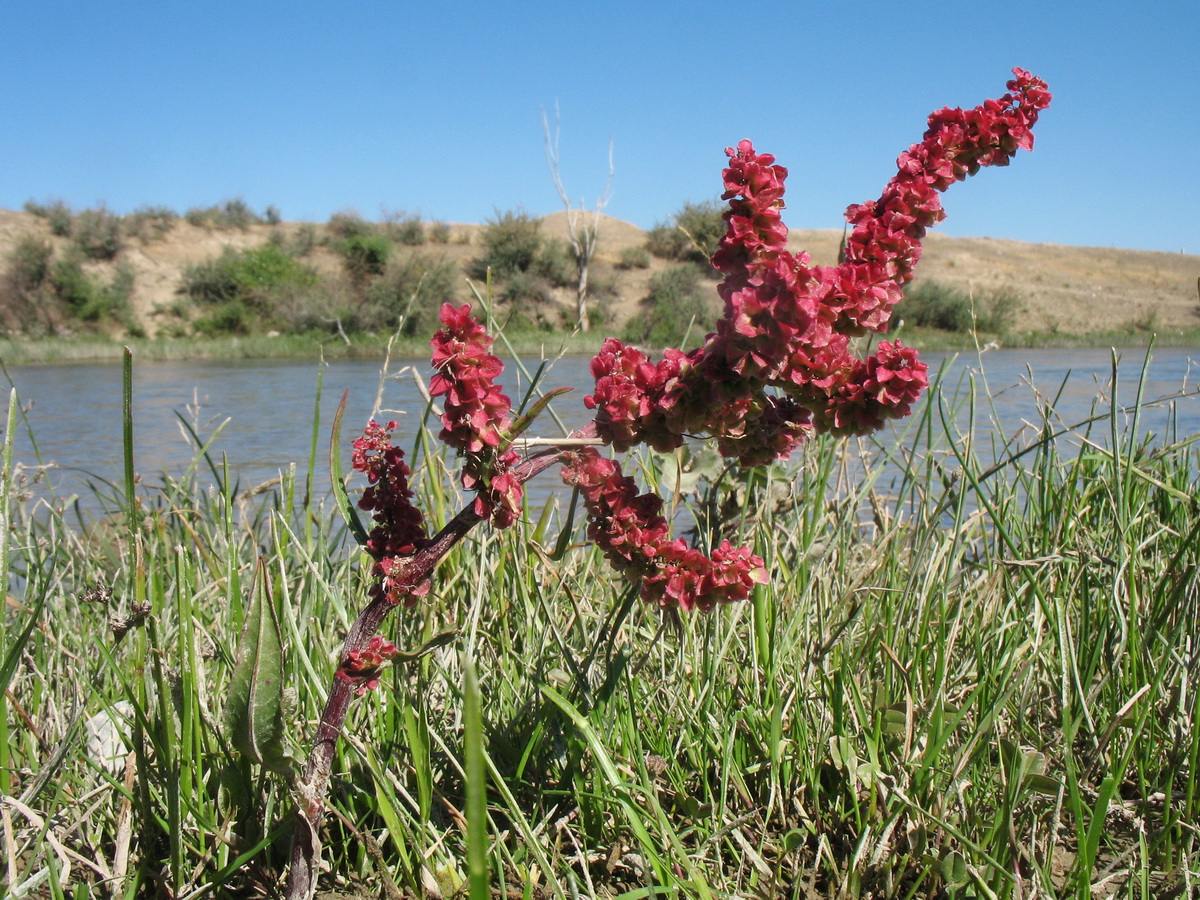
(313, 785)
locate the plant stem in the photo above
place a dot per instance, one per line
(313, 785)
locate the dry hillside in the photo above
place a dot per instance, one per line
(1060, 288)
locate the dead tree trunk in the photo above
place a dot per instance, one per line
(583, 226)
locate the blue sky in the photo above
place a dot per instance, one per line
(435, 108)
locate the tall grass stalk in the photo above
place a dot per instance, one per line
(972, 674)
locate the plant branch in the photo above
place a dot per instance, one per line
(313, 785)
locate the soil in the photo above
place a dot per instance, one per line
(1060, 288)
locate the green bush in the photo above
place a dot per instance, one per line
(680, 305)
(302, 241)
(556, 264)
(511, 243)
(149, 222)
(414, 288)
(931, 304)
(525, 299)
(365, 256)
(22, 300)
(230, 317)
(691, 236)
(97, 234)
(56, 213)
(345, 225)
(86, 296)
(234, 213)
(634, 258)
(243, 284)
(29, 263)
(405, 228)
(439, 232)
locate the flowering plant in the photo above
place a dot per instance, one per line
(780, 366)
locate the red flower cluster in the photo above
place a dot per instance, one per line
(361, 667)
(780, 362)
(476, 413)
(399, 527)
(779, 366)
(783, 342)
(635, 538)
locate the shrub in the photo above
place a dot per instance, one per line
(413, 289)
(29, 264)
(931, 304)
(343, 225)
(234, 213)
(365, 256)
(556, 264)
(678, 301)
(511, 243)
(230, 317)
(56, 213)
(149, 222)
(302, 241)
(438, 232)
(692, 235)
(88, 298)
(97, 234)
(634, 258)
(23, 282)
(243, 281)
(524, 297)
(405, 228)
(272, 215)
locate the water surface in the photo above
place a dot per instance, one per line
(265, 408)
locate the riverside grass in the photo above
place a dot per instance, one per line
(971, 675)
(92, 349)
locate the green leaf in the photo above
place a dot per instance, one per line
(15, 651)
(254, 710)
(954, 868)
(438, 640)
(522, 423)
(475, 771)
(895, 719)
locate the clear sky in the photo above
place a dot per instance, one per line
(435, 107)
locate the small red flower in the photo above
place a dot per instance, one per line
(399, 529)
(476, 413)
(361, 667)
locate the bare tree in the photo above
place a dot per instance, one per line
(583, 227)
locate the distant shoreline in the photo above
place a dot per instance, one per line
(43, 351)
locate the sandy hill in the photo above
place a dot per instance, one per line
(1060, 288)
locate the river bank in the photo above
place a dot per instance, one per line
(97, 349)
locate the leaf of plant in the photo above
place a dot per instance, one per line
(254, 708)
(1043, 784)
(345, 505)
(14, 652)
(564, 537)
(438, 640)
(522, 422)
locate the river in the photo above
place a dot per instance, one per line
(264, 409)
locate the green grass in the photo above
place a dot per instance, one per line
(971, 675)
(285, 346)
(292, 346)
